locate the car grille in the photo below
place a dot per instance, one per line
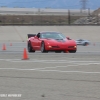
(71, 46)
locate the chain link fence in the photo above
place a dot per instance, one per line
(78, 18)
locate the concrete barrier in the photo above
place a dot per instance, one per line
(19, 33)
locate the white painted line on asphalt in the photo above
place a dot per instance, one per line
(47, 61)
(82, 72)
(36, 68)
(73, 63)
(64, 66)
(17, 60)
(54, 61)
(77, 63)
(43, 61)
(54, 67)
(67, 66)
(9, 59)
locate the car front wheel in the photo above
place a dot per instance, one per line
(85, 44)
(43, 48)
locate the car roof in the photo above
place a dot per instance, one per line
(49, 32)
(81, 39)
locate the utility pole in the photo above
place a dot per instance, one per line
(69, 19)
(83, 3)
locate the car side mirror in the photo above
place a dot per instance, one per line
(38, 35)
(68, 38)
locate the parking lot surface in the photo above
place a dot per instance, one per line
(49, 76)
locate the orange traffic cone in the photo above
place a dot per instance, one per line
(94, 44)
(86, 44)
(10, 44)
(67, 51)
(4, 47)
(25, 55)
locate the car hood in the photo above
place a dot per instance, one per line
(59, 41)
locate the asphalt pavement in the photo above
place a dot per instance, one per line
(49, 76)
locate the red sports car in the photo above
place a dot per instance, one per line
(51, 41)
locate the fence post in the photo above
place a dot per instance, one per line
(69, 19)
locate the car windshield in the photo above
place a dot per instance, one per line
(80, 40)
(53, 35)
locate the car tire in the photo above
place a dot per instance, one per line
(85, 44)
(43, 48)
(72, 51)
(58, 51)
(30, 49)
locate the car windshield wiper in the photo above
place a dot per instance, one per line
(59, 39)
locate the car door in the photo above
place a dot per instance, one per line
(37, 42)
(33, 41)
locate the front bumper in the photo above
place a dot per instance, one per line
(60, 47)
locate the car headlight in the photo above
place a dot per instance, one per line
(75, 46)
(50, 46)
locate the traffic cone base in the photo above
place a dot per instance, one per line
(25, 55)
(4, 47)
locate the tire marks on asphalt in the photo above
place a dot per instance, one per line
(53, 69)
